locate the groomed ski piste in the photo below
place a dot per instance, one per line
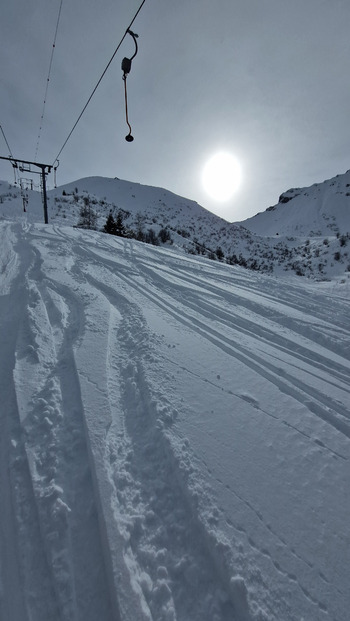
(174, 437)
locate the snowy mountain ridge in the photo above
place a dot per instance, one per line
(319, 210)
(307, 233)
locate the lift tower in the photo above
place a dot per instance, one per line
(45, 169)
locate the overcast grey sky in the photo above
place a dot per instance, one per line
(267, 80)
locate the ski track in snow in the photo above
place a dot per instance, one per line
(141, 387)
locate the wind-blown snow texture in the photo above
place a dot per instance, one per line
(175, 435)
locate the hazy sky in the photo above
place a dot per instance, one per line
(267, 80)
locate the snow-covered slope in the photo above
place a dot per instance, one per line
(104, 194)
(175, 435)
(320, 253)
(191, 226)
(320, 210)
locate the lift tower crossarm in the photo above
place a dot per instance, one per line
(16, 163)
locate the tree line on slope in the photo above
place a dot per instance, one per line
(116, 226)
(304, 259)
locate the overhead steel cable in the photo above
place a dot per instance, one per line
(99, 81)
(47, 83)
(7, 144)
(14, 164)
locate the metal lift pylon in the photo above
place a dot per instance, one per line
(45, 169)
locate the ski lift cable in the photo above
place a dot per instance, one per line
(7, 144)
(99, 81)
(47, 82)
(10, 154)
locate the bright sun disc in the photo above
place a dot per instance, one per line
(221, 176)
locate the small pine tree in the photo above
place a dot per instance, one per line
(139, 222)
(109, 227)
(88, 217)
(119, 225)
(151, 238)
(164, 235)
(219, 253)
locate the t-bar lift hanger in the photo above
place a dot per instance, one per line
(126, 68)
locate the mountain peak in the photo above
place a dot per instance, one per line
(318, 210)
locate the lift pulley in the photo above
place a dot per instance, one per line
(126, 68)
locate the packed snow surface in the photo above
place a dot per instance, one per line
(175, 435)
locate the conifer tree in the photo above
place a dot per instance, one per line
(119, 225)
(110, 226)
(88, 217)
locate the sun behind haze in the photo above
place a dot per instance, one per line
(221, 176)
